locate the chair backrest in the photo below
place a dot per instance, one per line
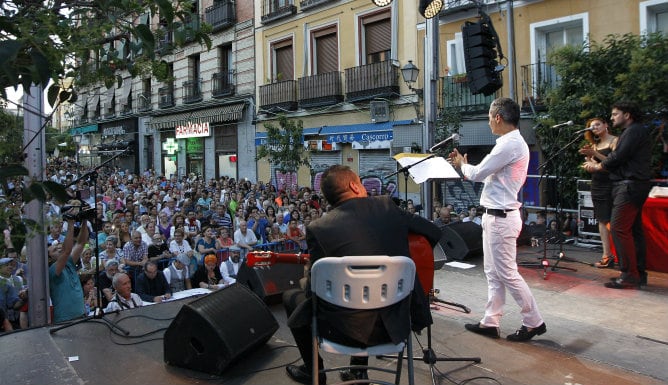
(363, 282)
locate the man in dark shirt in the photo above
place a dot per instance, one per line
(152, 285)
(629, 166)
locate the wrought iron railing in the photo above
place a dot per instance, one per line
(372, 80)
(320, 90)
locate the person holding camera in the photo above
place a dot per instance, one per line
(64, 286)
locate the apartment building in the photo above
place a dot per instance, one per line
(199, 121)
(335, 65)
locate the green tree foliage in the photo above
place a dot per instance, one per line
(591, 79)
(285, 145)
(11, 138)
(46, 41)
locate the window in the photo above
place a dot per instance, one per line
(325, 50)
(376, 37)
(282, 66)
(546, 37)
(654, 16)
(456, 64)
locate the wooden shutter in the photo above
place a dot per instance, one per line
(284, 64)
(326, 51)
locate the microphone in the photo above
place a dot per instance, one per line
(578, 132)
(569, 123)
(443, 143)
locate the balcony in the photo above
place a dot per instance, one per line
(165, 45)
(320, 90)
(191, 26)
(126, 107)
(192, 91)
(144, 102)
(280, 96)
(456, 93)
(222, 84)
(221, 15)
(537, 80)
(273, 10)
(305, 5)
(166, 96)
(371, 81)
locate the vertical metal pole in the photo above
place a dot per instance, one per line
(510, 27)
(35, 162)
(430, 91)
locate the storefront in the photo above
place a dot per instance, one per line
(368, 145)
(200, 142)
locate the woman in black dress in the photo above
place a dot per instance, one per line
(601, 143)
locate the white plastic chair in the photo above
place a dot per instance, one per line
(366, 283)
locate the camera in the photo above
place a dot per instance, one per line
(88, 214)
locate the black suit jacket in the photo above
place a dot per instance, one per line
(367, 226)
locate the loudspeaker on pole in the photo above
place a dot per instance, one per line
(213, 331)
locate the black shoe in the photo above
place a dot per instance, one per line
(488, 331)
(643, 278)
(303, 375)
(353, 374)
(624, 283)
(524, 334)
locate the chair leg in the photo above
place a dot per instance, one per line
(411, 368)
(315, 370)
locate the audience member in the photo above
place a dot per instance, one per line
(230, 267)
(64, 286)
(176, 274)
(151, 285)
(208, 275)
(123, 298)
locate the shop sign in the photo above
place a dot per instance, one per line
(193, 130)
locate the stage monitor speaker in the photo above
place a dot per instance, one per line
(269, 283)
(461, 240)
(213, 331)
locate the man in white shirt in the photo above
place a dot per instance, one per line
(503, 171)
(244, 238)
(124, 297)
(230, 268)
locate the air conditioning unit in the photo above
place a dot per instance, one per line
(380, 111)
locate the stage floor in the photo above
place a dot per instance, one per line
(595, 336)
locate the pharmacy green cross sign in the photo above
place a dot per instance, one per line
(170, 146)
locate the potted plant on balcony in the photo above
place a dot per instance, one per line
(459, 78)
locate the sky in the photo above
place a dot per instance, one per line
(16, 96)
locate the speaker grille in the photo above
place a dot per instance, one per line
(213, 331)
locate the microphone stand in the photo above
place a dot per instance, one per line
(429, 356)
(561, 256)
(98, 313)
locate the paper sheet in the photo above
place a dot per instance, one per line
(433, 168)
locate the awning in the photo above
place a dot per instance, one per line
(228, 113)
(127, 88)
(83, 130)
(365, 132)
(93, 102)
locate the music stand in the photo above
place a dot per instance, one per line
(422, 167)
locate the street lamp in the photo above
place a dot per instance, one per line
(410, 74)
(428, 8)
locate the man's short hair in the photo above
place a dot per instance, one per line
(629, 107)
(508, 109)
(117, 277)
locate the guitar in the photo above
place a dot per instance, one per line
(270, 258)
(421, 253)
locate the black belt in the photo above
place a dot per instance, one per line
(629, 181)
(497, 212)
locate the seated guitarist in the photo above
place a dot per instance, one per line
(358, 225)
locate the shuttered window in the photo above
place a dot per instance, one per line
(326, 51)
(377, 37)
(283, 61)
